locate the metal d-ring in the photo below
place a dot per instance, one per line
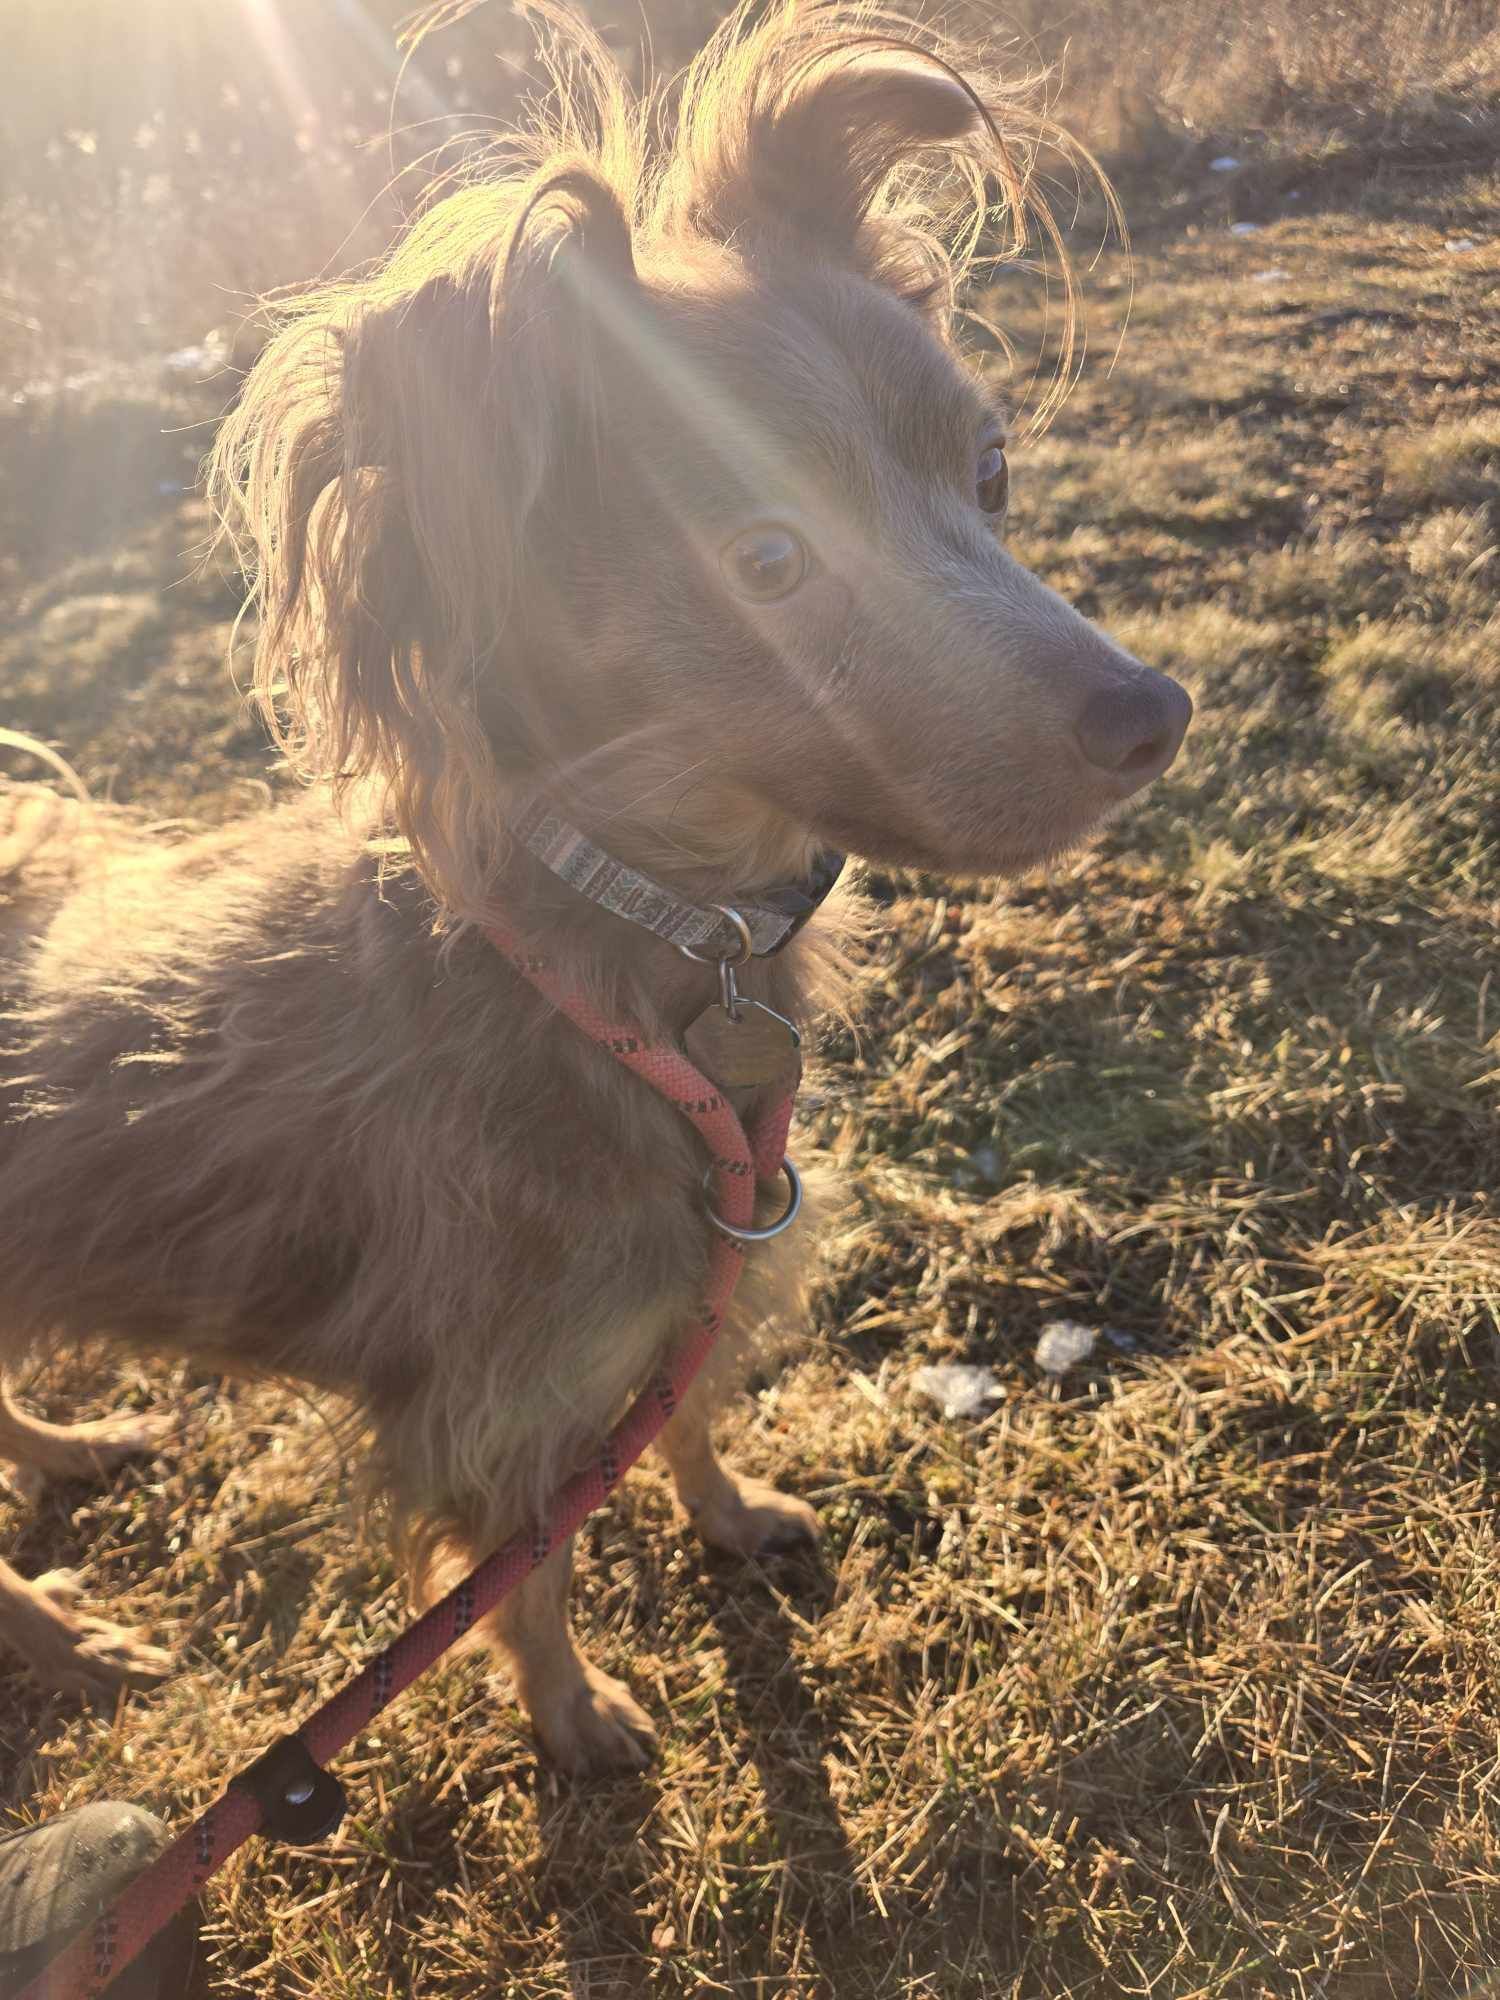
(741, 930)
(784, 1221)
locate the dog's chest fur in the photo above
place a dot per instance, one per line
(280, 1126)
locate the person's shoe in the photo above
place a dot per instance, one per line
(57, 1876)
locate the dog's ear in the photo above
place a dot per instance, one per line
(818, 126)
(380, 477)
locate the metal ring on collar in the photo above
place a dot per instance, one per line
(784, 1221)
(742, 930)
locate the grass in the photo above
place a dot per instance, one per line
(1284, 76)
(1450, 462)
(1180, 1676)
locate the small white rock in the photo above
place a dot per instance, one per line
(1460, 243)
(1225, 164)
(1244, 228)
(1062, 1344)
(958, 1388)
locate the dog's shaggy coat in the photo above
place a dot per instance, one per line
(643, 477)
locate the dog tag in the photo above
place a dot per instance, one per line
(742, 1050)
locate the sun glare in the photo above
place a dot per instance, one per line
(406, 85)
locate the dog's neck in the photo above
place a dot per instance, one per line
(758, 923)
(639, 972)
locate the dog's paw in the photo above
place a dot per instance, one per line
(106, 1658)
(750, 1518)
(87, 1655)
(594, 1724)
(62, 1587)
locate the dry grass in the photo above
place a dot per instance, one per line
(1180, 1678)
(1336, 71)
(1450, 462)
(165, 163)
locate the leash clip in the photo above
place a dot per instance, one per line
(300, 1802)
(729, 991)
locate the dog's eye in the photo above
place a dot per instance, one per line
(764, 563)
(993, 480)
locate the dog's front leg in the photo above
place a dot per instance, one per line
(584, 1718)
(745, 1516)
(70, 1649)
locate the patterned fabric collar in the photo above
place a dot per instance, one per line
(774, 918)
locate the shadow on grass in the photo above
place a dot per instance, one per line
(788, 1736)
(796, 1908)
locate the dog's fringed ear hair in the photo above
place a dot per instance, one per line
(379, 478)
(848, 130)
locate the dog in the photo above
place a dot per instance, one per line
(642, 495)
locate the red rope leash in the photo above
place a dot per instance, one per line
(98, 1954)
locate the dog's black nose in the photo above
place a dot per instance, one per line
(1135, 729)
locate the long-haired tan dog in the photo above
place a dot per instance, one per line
(643, 478)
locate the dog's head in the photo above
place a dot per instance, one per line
(650, 478)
